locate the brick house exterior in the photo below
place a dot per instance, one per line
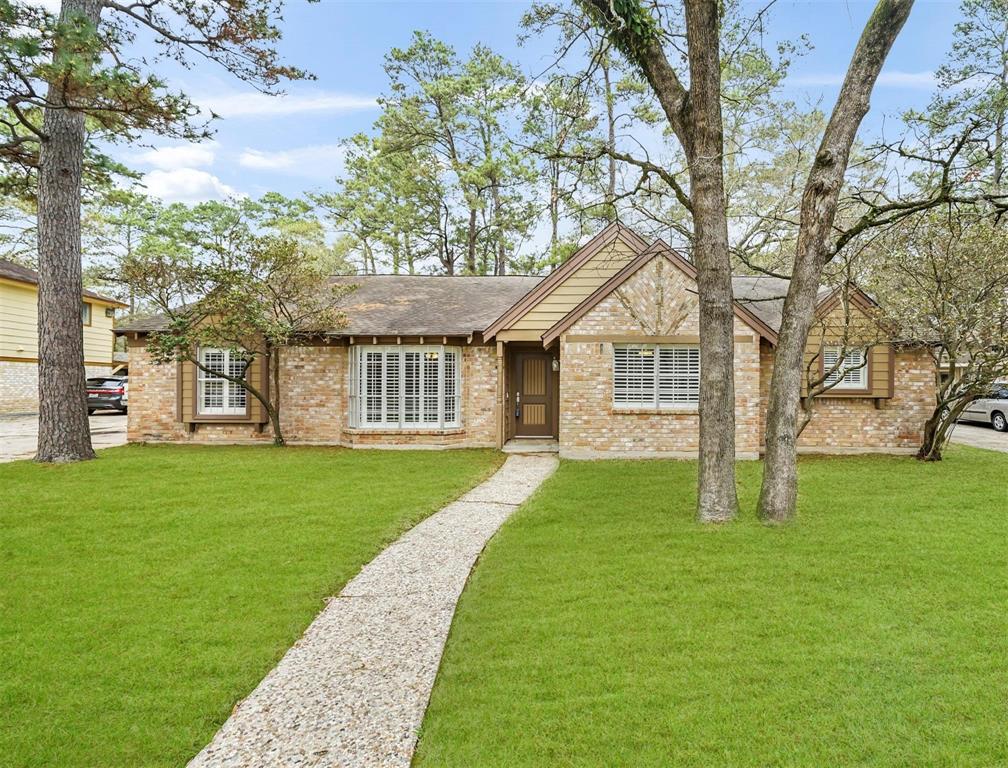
(599, 358)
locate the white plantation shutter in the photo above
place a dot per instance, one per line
(852, 373)
(411, 387)
(396, 387)
(216, 395)
(633, 375)
(655, 376)
(451, 373)
(678, 375)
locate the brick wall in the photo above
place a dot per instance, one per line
(19, 384)
(18, 387)
(314, 403)
(658, 300)
(850, 424)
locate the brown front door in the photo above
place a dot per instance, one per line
(533, 403)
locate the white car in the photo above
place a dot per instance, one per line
(991, 410)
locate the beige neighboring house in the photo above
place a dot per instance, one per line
(599, 358)
(19, 336)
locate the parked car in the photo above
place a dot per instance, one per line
(991, 410)
(106, 393)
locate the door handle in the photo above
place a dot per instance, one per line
(517, 405)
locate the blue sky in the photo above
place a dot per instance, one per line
(290, 144)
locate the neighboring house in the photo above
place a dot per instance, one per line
(19, 336)
(601, 356)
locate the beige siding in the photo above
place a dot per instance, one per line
(555, 305)
(18, 321)
(19, 326)
(829, 329)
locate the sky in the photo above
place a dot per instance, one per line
(290, 144)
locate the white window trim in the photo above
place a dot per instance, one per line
(202, 377)
(655, 402)
(852, 373)
(359, 386)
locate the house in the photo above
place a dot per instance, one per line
(19, 336)
(601, 356)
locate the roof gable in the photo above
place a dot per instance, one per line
(659, 249)
(609, 238)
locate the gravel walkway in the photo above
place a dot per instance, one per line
(353, 690)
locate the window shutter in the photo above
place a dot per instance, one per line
(678, 375)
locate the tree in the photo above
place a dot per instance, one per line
(265, 295)
(696, 117)
(118, 223)
(779, 491)
(943, 282)
(60, 73)
(973, 83)
(558, 122)
(462, 114)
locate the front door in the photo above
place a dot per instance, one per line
(533, 403)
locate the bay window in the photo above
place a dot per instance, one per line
(656, 376)
(850, 373)
(215, 395)
(405, 387)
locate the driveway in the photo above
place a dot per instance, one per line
(19, 434)
(980, 436)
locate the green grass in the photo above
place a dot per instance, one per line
(143, 594)
(603, 626)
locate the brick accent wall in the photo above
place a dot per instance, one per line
(19, 384)
(314, 400)
(18, 387)
(658, 300)
(854, 425)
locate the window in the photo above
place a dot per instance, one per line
(851, 373)
(85, 313)
(216, 395)
(656, 376)
(405, 387)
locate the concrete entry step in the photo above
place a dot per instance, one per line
(532, 445)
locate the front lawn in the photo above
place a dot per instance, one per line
(604, 627)
(143, 594)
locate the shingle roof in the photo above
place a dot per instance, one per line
(411, 305)
(12, 271)
(415, 305)
(764, 296)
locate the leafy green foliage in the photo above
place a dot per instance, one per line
(72, 61)
(220, 283)
(442, 183)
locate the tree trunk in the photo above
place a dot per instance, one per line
(779, 492)
(717, 499)
(64, 434)
(471, 243)
(274, 412)
(610, 100)
(1000, 119)
(934, 439)
(554, 212)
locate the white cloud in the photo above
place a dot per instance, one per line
(181, 156)
(892, 79)
(186, 185)
(321, 161)
(255, 104)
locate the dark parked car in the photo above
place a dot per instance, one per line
(106, 393)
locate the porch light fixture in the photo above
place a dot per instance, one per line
(556, 365)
